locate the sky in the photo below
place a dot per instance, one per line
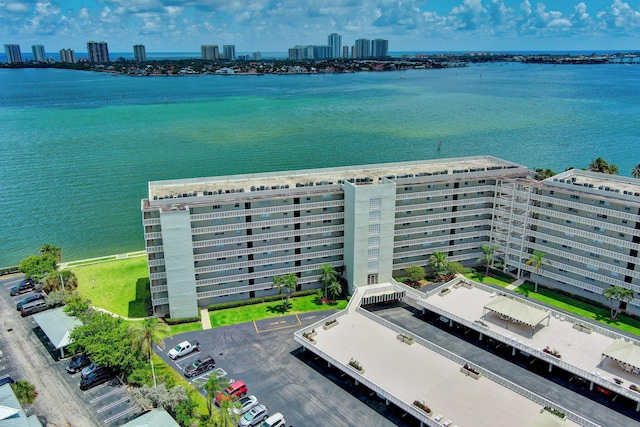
(276, 25)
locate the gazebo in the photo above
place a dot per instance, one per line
(511, 309)
(627, 354)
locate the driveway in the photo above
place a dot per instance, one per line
(264, 355)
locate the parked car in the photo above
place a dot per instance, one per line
(97, 377)
(275, 420)
(235, 390)
(200, 366)
(6, 380)
(33, 307)
(254, 416)
(25, 286)
(243, 405)
(78, 362)
(184, 348)
(31, 298)
(92, 367)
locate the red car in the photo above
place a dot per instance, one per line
(236, 390)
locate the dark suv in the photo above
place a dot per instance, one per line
(30, 298)
(97, 377)
(25, 286)
(78, 362)
(200, 366)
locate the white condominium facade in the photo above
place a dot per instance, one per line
(224, 238)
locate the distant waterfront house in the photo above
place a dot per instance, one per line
(224, 238)
(225, 70)
(11, 412)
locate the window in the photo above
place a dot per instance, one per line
(600, 229)
(552, 192)
(408, 188)
(372, 266)
(326, 197)
(265, 202)
(627, 208)
(265, 216)
(374, 216)
(375, 203)
(426, 245)
(406, 201)
(601, 216)
(592, 267)
(373, 254)
(326, 209)
(602, 202)
(574, 197)
(374, 242)
(374, 228)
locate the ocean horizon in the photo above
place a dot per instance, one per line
(77, 149)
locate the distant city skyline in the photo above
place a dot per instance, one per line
(410, 25)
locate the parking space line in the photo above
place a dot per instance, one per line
(195, 353)
(104, 396)
(99, 387)
(111, 405)
(122, 414)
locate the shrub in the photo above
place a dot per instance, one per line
(422, 406)
(355, 364)
(25, 392)
(330, 322)
(181, 320)
(270, 298)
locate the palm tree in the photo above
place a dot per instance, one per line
(288, 283)
(635, 172)
(620, 294)
(334, 289)
(487, 257)
(601, 165)
(537, 261)
(50, 249)
(146, 334)
(542, 174)
(328, 275)
(438, 262)
(214, 385)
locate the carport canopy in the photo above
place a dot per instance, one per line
(623, 351)
(57, 326)
(515, 310)
(153, 418)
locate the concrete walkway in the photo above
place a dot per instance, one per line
(515, 284)
(205, 319)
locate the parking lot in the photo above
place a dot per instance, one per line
(25, 357)
(265, 356)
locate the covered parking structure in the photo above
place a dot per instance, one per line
(626, 353)
(57, 326)
(517, 312)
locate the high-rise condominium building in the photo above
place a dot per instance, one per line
(335, 45)
(98, 52)
(363, 48)
(210, 52)
(225, 238)
(229, 51)
(380, 48)
(139, 53)
(345, 51)
(38, 53)
(256, 56)
(67, 55)
(13, 53)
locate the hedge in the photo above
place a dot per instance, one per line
(270, 298)
(9, 270)
(180, 320)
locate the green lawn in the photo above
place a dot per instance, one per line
(579, 308)
(121, 286)
(164, 370)
(249, 313)
(503, 281)
(185, 327)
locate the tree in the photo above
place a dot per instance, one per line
(454, 267)
(415, 272)
(635, 172)
(52, 250)
(214, 385)
(328, 275)
(37, 266)
(76, 305)
(25, 392)
(487, 257)
(542, 174)
(146, 334)
(159, 397)
(537, 261)
(617, 293)
(334, 289)
(65, 279)
(601, 165)
(286, 283)
(438, 263)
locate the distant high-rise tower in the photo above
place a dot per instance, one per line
(38, 53)
(345, 51)
(256, 56)
(229, 51)
(67, 55)
(210, 52)
(380, 48)
(139, 53)
(363, 48)
(13, 53)
(98, 52)
(335, 45)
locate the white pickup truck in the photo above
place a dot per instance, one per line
(184, 348)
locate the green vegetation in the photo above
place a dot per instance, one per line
(415, 272)
(25, 392)
(121, 287)
(494, 278)
(580, 308)
(185, 327)
(287, 283)
(232, 316)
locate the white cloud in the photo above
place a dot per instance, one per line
(620, 16)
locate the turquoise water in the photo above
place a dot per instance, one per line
(78, 148)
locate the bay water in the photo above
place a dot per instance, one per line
(77, 149)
